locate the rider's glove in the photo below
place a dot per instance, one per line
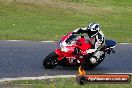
(70, 33)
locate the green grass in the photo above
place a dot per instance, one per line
(50, 19)
(58, 83)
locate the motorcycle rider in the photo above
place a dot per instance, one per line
(95, 37)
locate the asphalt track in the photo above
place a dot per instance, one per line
(24, 59)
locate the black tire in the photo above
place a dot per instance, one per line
(90, 66)
(50, 61)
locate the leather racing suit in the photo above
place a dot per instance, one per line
(97, 42)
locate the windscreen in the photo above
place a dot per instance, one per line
(71, 39)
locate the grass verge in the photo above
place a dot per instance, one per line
(58, 83)
(50, 19)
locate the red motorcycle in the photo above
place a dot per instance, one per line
(69, 52)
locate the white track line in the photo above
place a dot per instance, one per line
(47, 41)
(37, 78)
(125, 43)
(52, 41)
(27, 40)
(14, 40)
(119, 73)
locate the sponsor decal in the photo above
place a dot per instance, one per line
(103, 78)
(82, 77)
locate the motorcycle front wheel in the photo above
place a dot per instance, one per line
(50, 61)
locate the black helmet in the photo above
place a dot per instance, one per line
(93, 29)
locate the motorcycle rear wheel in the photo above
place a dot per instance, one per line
(89, 65)
(50, 61)
(99, 61)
